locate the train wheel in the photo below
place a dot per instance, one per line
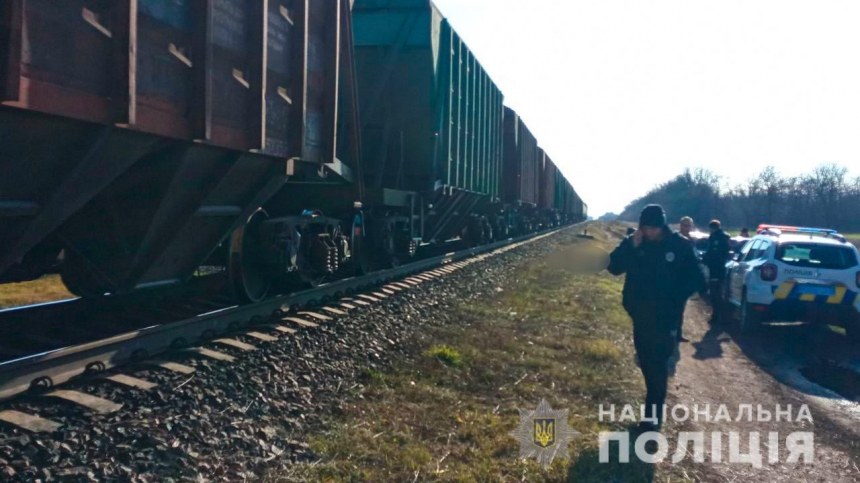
(80, 278)
(249, 274)
(389, 247)
(362, 254)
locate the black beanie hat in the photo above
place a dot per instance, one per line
(653, 215)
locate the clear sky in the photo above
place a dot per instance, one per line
(625, 94)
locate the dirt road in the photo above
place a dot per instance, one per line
(769, 370)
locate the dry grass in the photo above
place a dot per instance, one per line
(46, 289)
(554, 335)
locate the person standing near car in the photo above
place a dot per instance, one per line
(686, 227)
(715, 259)
(662, 273)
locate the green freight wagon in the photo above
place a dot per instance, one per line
(431, 118)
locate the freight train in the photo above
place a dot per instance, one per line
(146, 143)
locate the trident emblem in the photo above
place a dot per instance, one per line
(544, 432)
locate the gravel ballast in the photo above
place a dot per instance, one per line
(242, 420)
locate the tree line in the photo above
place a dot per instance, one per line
(825, 197)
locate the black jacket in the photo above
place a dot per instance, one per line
(660, 277)
(717, 255)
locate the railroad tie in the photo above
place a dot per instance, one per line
(348, 306)
(393, 288)
(172, 366)
(368, 298)
(235, 343)
(29, 422)
(334, 311)
(379, 295)
(283, 329)
(315, 315)
(262, 337)
(360, 303)
(132, 382)
(300, 322)
(97, 404)
(388, 291)
(218, 356)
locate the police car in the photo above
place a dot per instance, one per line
(796, 274)
(700, 241)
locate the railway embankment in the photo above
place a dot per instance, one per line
(256, 413)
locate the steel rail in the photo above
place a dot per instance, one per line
(48, 369)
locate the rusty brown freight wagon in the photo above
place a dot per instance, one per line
(523, 161)
(136, 135)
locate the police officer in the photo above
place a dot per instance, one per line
(686, 227)
(715, 259)
(662, 273)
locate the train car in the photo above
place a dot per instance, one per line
(431, 125)
(580, 210)
(522, 158)
(565, 199)
(546, 196)
(523, 162)
(146, 143)
(137, 136)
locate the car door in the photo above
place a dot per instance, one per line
(738, 273)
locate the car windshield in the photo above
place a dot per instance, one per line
(817, 256)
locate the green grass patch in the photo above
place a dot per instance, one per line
(46, 289)
(446, 355)
(552, 335)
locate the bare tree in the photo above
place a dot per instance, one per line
(824, 197)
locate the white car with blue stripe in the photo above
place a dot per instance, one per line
(796, 274)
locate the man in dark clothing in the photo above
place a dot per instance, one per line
(662, 273)
(686, 226)
(715, 259)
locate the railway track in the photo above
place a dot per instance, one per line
(41, 373)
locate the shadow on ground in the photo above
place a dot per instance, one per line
(801, 356)
(588, 467)
(711, 345)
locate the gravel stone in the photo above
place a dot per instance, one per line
(238, 421)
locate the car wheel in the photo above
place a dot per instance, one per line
(750, 320)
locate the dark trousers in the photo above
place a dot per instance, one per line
(680, 326)
(715, 289)
(654, 348)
